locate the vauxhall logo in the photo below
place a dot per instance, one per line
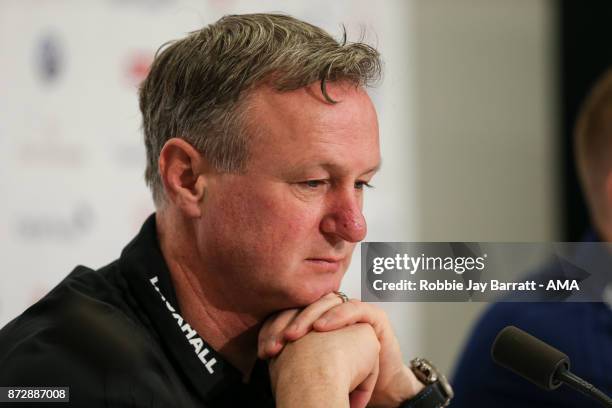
(190, 334)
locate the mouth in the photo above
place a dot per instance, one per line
(327, 264)
(326, 259)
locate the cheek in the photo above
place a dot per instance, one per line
(283, 224)
(271, 225)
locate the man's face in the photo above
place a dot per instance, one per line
(282, 234)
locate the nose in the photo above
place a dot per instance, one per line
(345, 220)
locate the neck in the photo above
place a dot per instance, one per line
(233, 334)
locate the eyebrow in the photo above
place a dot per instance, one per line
(373, 169)
(332, 166)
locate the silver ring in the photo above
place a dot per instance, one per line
(341, 295)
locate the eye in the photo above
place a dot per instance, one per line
(359, 185)
(313, 183)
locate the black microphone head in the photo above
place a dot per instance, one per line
(528, 357)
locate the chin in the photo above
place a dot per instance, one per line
(310, 292)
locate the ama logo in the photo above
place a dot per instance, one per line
(49, 58)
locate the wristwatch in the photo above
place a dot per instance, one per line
(437, 392)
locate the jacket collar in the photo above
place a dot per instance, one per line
(143, 265)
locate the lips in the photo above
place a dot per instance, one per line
(326, 264)
(326, 259)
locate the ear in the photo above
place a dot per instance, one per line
(181, 168)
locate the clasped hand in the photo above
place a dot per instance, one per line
(335, 354)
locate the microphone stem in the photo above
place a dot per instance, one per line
(584, 387)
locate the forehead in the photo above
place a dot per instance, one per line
(300, 128)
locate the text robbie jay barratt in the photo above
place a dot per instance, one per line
(493, 285)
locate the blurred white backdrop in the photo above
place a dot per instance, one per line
(465, 111)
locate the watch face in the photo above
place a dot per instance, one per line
(424, 370)
(427, 373)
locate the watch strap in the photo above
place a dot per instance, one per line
(432, 396)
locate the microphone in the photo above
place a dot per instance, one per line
(539, 363)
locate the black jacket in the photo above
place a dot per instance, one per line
(115, 336)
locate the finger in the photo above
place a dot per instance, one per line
(302, 323)
(349, 313)
(270, 340)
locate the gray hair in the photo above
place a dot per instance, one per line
(197, 86)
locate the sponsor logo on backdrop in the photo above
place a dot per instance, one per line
(55, 226)
(49, 58)
(136, 67)
(44, 146)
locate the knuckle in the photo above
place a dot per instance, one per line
(379, 312)
(330, 295)
(303, 316)
(370, 334)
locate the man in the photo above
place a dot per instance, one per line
(581, 330)
(260, 140)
